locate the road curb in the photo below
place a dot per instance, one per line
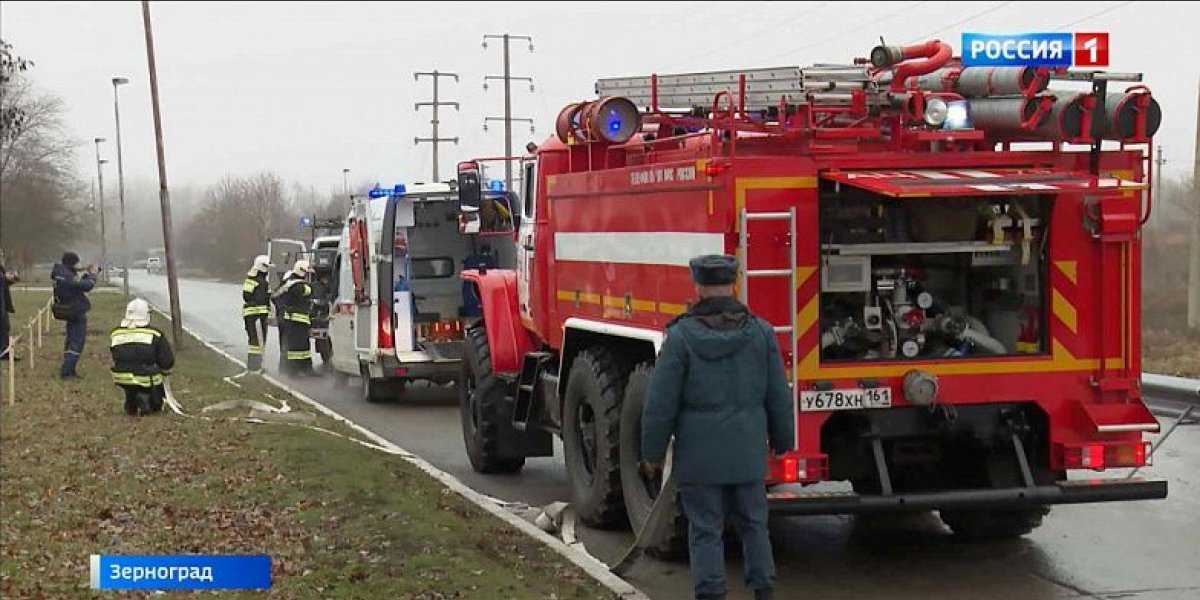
(588, 563)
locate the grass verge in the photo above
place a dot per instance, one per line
(78, 477)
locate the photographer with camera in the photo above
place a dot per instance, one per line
(71, 304)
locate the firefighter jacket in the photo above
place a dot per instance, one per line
(256, 297)
(719, 387)
(141, 356)
(294, 299)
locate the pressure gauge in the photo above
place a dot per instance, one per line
(925, 300)
(910, 348)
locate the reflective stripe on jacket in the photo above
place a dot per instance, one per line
(141, 356)
(255, 295)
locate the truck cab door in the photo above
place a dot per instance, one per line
(526, 236)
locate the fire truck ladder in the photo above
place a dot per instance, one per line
(746, 274)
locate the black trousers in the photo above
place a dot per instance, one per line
(256, 338)
(143, 400)
(299, 347)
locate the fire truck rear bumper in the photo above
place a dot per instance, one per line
(1063, 492)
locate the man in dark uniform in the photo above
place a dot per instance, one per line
(6, 308)
(141, 358)
(71, 291)
(295, 298)
(719, 376)
(256, 297)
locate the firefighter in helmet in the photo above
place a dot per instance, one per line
(294, 297)
(141, 359)
(255, 307)
(719, 373)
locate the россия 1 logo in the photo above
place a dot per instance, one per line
(1035, 50)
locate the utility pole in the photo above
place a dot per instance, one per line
(164, 197)
(100, 203)
(435, 75)
(346, 182)
(1193, 315)
(508, 119)
(117, 82)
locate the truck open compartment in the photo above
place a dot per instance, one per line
(914, 269)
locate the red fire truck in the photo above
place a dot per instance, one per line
(950, 257)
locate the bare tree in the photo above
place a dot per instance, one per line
(40, 213)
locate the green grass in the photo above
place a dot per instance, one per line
(339, 520)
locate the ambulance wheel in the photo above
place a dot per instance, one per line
(993, 524)
(638, 491)
(481, 407)
(373, 390)
(591, 437)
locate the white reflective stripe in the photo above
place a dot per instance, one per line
(669, 248)
(933, 174)
(1034, 186)
(990, 188)
(976, 174)
(132, 337)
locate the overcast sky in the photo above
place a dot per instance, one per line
(307, 89)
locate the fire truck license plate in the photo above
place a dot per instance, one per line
(849, 399)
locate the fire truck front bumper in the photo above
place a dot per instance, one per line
(787, 502)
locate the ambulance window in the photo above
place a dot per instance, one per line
(438, 267)
(529, 181)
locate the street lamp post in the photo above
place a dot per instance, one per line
(119, 81)
(103, 233)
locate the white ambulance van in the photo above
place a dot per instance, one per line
(400, 307)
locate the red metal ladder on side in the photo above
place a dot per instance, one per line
(745, 274)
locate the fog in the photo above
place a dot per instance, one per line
(307, 89)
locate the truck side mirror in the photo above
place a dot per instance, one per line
(470, 189)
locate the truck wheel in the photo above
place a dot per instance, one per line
(639, 492)
(1002, 471)
(591, 437)
(373, 390)
(993, 524)
(481, 407)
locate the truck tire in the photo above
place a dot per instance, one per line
(639, 493)
(999, 524)
(591, 437)
(993, 524)
(481, 407)
(373, 390)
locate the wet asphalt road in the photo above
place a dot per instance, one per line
(1141, 550)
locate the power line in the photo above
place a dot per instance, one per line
(855, 27)
(752, 37)
(1094, 15)
(959, 22)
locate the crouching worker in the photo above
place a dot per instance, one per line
(141, 358)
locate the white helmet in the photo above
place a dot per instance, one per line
(137, 313)
(301, 267)
(261, 263)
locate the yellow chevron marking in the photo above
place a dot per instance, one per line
(1065, 311)
(807, 316)
(1068, 268)
(802, 275)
